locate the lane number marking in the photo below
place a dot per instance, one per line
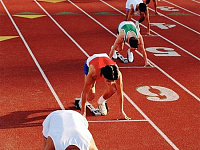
(167, 8)
(158, 93)
(162, 51)
(163, 26)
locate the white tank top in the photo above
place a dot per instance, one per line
(134, 2)
(67, 127)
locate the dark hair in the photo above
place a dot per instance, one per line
(142, 7)
(147, 1)
(133, 42)
(110, 72)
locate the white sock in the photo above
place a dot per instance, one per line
(101, 100)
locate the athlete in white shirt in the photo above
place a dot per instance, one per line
(67, 130)
(140, 7)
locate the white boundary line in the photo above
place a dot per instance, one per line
(62, 29)
(182, 7)
(34, 59)
(156, 33)
(196, 1)
(157, 129)
(116, 121)
(176, 22)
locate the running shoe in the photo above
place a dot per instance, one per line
(103, 108)
(80, 103)
(115, 55)
(130, 56)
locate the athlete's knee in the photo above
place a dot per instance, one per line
(90, 96)
(112, 89)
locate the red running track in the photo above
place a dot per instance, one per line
(43, 66)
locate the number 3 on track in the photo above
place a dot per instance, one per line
(158, 93)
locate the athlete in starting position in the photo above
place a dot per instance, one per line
(127, 32)
(101, 67)
(67, 130)
(138, 6)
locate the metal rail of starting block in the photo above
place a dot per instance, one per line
(92, 109)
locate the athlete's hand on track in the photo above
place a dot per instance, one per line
(125, 116)
(147, 64)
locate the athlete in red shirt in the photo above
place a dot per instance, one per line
(101, 67)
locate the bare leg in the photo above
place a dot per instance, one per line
(111, 89)
(127, 12)
(91, 94)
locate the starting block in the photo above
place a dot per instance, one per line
(93, 110)
(124, 60)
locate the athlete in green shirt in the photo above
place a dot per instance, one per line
(127, 32)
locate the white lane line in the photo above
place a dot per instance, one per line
(62, 29)
(196, 1)
(34, 59)
(156, 34)
(177, 22)
(116, 121)
(182, 7)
